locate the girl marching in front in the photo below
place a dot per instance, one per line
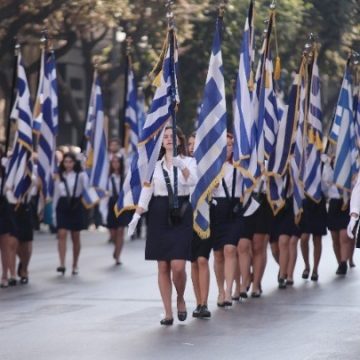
(170, 230)
(69, 212)
(116, 224)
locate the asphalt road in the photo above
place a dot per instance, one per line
(109, 312)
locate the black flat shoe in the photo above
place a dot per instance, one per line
(167, 322)
(305, 274)
(227, 303)
(4, 284)
(204, 312)
(255, 294)
(61, 269)
(12, 282)
(75, 271)
(24, 280)
(342, 269)
(289, 282)
(182, 315)
(196, 312)
(243, 295)
(314, 277)
(221, 305)
(282, 283)
(235, 298)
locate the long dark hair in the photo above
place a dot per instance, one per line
(72, 156)
(120, 159)
(181, 147)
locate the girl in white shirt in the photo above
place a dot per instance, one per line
(68, 211)
(169, 231)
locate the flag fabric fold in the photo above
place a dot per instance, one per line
(210, 141)
(97, 160)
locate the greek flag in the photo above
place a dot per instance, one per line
(280, 158)
(97, 160)
(148, 149)
(343, 136)
(210, 141)
(297, 166)
(48, 128)
(131, 113)
(356, 107)
(20, 167)
(245, 156)
(141, 112)
(312, 185)
(266, 111)
(37, 114)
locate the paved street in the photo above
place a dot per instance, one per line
(110, 312)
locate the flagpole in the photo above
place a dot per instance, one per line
(171, 30)
(12, 100)
(122, 126)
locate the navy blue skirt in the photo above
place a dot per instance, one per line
(167, 241)
(114, 222)
(222, 220)
(284, 223)
(71, 215)
(314, 218)
(337, 217)
(260, 222)
(22, 222)
(6, 225)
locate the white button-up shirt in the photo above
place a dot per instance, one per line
(219, 191)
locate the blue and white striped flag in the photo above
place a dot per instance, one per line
(210, 141)
(356, 107)
(343, 136)
(280, 158)
(312, 185)
(245, 156)
(37, 113)
(297, 165)
(97, 159)
(148, 149)
(48, 128)
(131, 111)
(20, 167)
(141, 113)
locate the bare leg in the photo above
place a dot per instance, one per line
(165, 286)
(237, 277)
(284, 241)
(259, 260)
(179, 280)
(61, 235)
(275, 251)
(12, 256)
(204, 279)
(196, 281)
(345, 246)
(230, 265)
(4, 247)
(304, 244)
(119, 243)
(292, 257)
(244, 248)
(75, 237)
(25, 256)
(317, 253)
(336, 245)
(219, 273)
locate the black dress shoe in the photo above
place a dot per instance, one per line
(289, 282)
(227, 303)
(61, 269)
(342, 269)
(182, 315)
(12, 282)
(24, 280)
(282, 283)
(204, 312)
(235, 298)
(167, 322)
(222, 304)
(243, 295)
(314, 277)
(196, 312)
(255, 294)
(305, 274)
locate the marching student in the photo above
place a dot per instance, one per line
(116, 225)
(200, 253)
(68, 211)
(224, 211)
(287, 234)
(170, 230)
(337, 218)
